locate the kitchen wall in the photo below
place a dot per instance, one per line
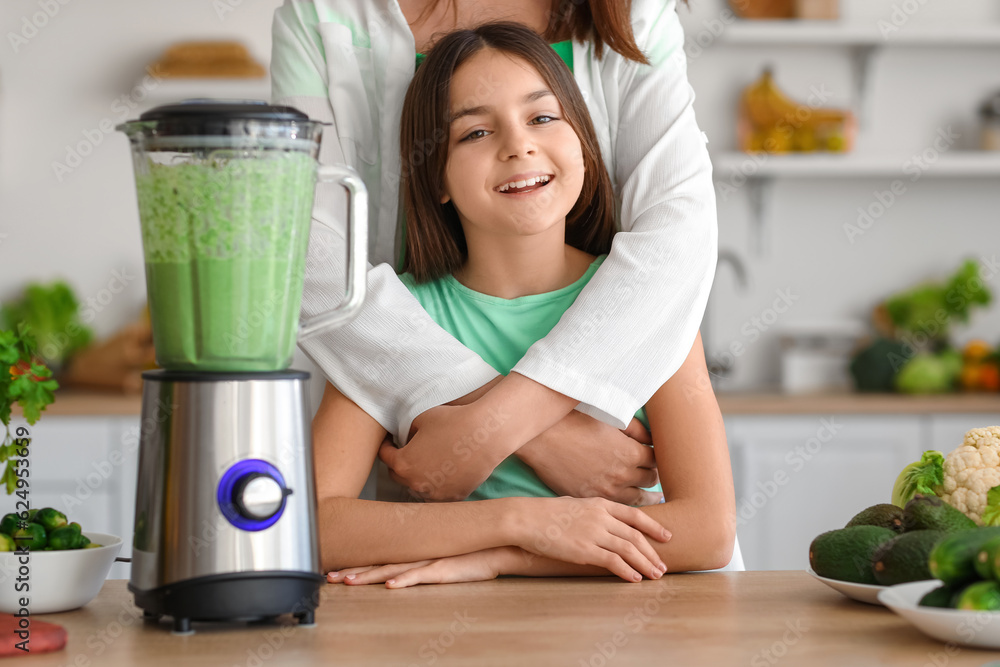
(83, 67)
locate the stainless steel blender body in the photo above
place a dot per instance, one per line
(226, 506)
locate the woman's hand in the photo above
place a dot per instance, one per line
(476, 566)
(452, 450)
(592, 531)
(583, 457)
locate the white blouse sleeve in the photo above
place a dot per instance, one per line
(634, 323)
(392, 360)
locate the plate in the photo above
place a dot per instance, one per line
(968, 628)
(860, 592)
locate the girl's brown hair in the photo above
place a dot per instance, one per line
(435, 242)
(599, 21)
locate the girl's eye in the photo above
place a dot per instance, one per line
(544, 119)
(475, 134)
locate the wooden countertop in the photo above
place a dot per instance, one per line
(79, 402)
(716, 619)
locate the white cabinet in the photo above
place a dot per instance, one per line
(86, 468)
(799, 476)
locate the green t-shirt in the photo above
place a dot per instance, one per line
(563, 49)
(500, 331)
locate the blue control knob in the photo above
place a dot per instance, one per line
(252, 494)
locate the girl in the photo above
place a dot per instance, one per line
(510, 212)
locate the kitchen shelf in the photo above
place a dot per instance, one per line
(954, 164)
(836, 33)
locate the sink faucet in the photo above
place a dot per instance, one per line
(721, 367)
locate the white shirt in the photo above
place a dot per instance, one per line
(349, 62)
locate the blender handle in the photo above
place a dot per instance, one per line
(357, 252)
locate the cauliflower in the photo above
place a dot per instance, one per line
(971, 472)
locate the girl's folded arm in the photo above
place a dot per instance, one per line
(355, 532)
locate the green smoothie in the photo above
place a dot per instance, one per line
(225, 245)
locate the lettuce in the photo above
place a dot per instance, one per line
(926, 476)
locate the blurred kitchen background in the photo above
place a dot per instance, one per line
(902, 193)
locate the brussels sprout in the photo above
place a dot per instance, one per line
(50, 519)
(7, 543)
(32, 537)
(66, 537)
(8, 524)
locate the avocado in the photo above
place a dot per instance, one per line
(885, 515)
(941, 596)
(846, 553)
(932, 513)
(904, 557)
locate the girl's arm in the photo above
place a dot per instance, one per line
(356, 532)
(700, 510)
(626, 334)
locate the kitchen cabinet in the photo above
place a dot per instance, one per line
(798, 476)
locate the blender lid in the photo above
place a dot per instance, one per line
(215, 116)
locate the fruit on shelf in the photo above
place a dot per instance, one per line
(770, 122)
(763, 9)
(980, 367)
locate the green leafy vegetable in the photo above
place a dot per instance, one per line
(52, 313)
(931, 308)
(991, 515)
(23, 380)
(926, 476)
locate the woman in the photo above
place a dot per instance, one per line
(349, 63)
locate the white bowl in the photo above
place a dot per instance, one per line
(968, 628)
(860, 592)
(56, 580)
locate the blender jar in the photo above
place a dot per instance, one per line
(225, 193)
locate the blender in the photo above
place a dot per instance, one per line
(225, 513)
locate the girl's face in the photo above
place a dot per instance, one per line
(507, 130)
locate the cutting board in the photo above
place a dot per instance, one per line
(42, 637)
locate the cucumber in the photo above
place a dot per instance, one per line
(986, 559)
(953, 560)
(980, 596)
(940, 597)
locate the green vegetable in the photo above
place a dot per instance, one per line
(980, 596)
(953, 559)
(32, 537)
(67, 537)
(28, 383)
(904, 557)
(985, 559)
(875, 367)
(51, 312)
(931, 308)
(940, 597)
(50, 518)
(8, 524)
(991, 513)
(926, 373)
(926, 477)
(932, 513)
(886, 516)
(7, 543)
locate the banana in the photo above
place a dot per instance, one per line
(766, 106)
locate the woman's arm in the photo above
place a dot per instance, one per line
(356, 532)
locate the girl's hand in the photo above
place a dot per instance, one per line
(592, 531)
(477, 566)
(452, 450)
(583, 457)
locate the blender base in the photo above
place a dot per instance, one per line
(241, 596)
